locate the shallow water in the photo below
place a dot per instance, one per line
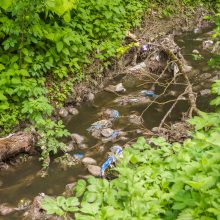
(22, 181)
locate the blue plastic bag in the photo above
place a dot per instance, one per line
(148, 93)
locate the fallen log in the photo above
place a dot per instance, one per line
(14, 144)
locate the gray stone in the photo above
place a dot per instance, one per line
(5, 209)
(187, 68)
(135, 119)
(138, 67)
(69, 147)
(216, 48)
(91, 96)
(207, 44)
(78, 139)
(73, 111)
(195, 51)
(63, 112)
(119, 88)
(107, 132)
(94, 170)
(88, 161)
(69, 187)
(205, 92)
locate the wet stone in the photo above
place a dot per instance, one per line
(135, 119)
(94, 170)
(208, 44)
(88, 161)
(69, 147)
(69, 187)
(125, 100)
(91, 97)
(195, 51)
(6, 209)
(119, 88)
(63, 113)
(205, 92)
(107, 132)
(73, 111)
(138, 68)
(78, 139)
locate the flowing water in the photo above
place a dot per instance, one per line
(23, 182)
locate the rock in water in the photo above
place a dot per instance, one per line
(187, 68)
(107, 132)
(73, 111)
(78, 139)
(120, 88)
(94, 170)
(88, 161)
(91, 96)
(6, 209)
(63, 113)
(207, 44)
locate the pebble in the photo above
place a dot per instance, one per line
(69, 187)
(69, 147)
(120, 88)
(91, 96)
(107, 132)
(135, 119)
(205, 92)
(187, 68)
(94, 170)
(5, 209)
(195, 52)
(63, 113)
(73, 111)
(138, 67)
(88, 161)
(78, 139)
(207, 44)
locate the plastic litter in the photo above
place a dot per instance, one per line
(115, 134)
(78, 156)
(117, 150)
(145, 47)
(99, 125)
(115, 114)
(148, 93)
(106, 164)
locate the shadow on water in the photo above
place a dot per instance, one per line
(23, 182)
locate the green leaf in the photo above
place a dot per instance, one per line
(72, 201)
(5, 4)
(80, 187)
(59, 46)
(91, 209)
(2, 96)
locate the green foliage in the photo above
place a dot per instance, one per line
(167, 182)
(159, 180)
(52, 41)
(46, 43)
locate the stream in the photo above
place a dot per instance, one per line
(23, 181)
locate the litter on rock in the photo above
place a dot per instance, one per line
(115, 114)
(148, 93)
(106, 164)
(78, 156)
(117, 151)
(99, 125)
